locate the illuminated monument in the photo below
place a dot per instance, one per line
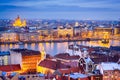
(19, 23)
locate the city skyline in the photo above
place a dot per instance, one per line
(61, 9)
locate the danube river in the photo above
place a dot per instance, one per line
(54, 47)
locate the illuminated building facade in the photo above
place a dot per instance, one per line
(29, 62)
(64, 32)
(110, 71)
(77, 31)
(19, 23)
(47, 33)
(28, 59)
(4, 58)
(76, 23)
(9, 36)
(31, 36)
(48, 66)
(117, 30)
(57, 32)
(101, 31)
(90, 34)
(43, 32)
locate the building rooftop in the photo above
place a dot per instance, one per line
(103, 27)
(107, 66)
(26, 52)
(110, 66)
(77, 75)
(104, 58)
(116, 48)
(117, 26)
(67, 70)
(87, 60)
(71, 63)
(47, 63)
(4, 53)
(8, 68)
(66, 56)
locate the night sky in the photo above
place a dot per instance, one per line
(61, 9)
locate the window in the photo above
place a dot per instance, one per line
(106, 73)
(90, 66)
(98, 78)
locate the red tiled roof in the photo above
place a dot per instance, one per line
(67, 56)
(9, 68)
(104, 59)
(69, 70)
(72, 63)
(52, 64)
(26, 52)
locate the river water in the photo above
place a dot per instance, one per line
(54, 47)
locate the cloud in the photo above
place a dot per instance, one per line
(43, 4)
(89, 7)
(56, 8)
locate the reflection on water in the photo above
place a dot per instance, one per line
(98, 43)
(55, 48)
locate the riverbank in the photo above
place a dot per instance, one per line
(49, 41)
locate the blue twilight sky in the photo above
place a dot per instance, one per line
(61, 9)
